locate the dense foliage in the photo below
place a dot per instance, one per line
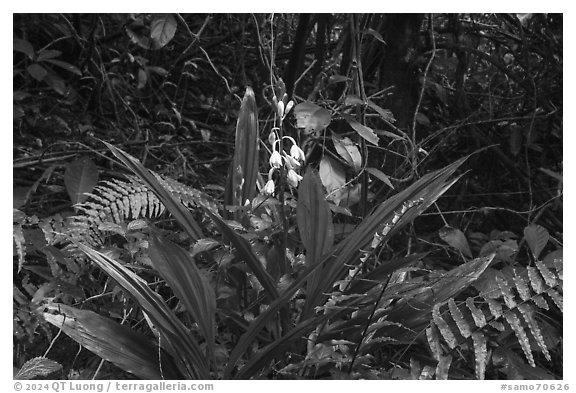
(288, 196)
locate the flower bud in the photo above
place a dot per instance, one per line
(280, 108)
(288, 107)
(293, 178)
(275, 159)
(269, 187)
(272, 138)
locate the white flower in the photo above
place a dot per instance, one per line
(275, 159)
(269, 187)
(291, 163)
(293, 178)
(297, 153)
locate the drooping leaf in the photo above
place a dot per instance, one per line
(381, 176)
(348, 150)
(162, 30)
(362, 130)
(47, 54)
(190, 360)
(23, 46)
(331, 174)
(67, 66)
(536, 237)
(126, 348)
(188, 283)
(311, 117)
(80, 178)
(455, 238)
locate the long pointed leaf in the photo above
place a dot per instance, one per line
(179, 342)
(245, 250)
(126, 348)
(180, 213)
(430, 187)
(243, 172)
(314, 222)
(188, 283)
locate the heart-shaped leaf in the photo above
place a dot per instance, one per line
(536, 237)
(162, 30)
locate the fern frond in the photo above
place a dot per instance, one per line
(123, 201)
(514, 302)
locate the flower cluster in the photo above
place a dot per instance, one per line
(278, 159)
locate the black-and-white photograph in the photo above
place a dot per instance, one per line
(287, 196)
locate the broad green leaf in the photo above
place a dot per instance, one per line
(23, 46)
(36, 367)
(347, 253)
(331, 174)
(311, 117)
(348, 150)
(126, 348)
(314, 221)
(176, 338)
(48, 54)
(173, 205)
(455, 238)
(365, 132)
(162, 30)
(189, 284)
(243, 172)
(67, 66)
(536, 237)
(80, 178)
(37, 72)
(380, 175)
